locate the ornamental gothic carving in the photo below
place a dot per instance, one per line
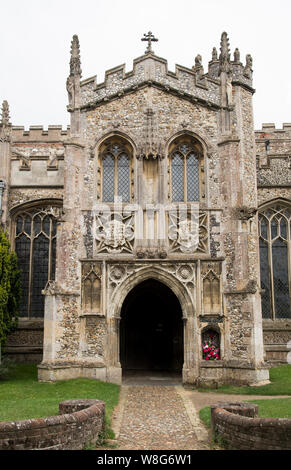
(188, 232)
(114, 233)
(91, 287)
(145, 226)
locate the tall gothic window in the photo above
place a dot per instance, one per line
(185, 170)
(275, 261)
(35, 245)
(115, 165)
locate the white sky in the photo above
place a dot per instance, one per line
(35, 38)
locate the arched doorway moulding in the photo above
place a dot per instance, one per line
(114, 306)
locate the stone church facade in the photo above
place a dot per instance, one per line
(156, 223)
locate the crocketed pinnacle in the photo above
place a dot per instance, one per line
(224, 57)
(5, 113)
(75, 62)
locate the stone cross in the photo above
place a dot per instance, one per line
(149, 37)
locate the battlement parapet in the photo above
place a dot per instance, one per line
(149, 70)
(54, 133)
(192, 83)
(270, 128)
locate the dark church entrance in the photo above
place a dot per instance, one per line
(151, 329)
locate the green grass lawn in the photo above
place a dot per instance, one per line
(272, 408)
(23, 397)
(280, 378)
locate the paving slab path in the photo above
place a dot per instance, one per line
(157, 417)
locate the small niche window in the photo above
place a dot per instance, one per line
(211, 345)
(275, 261)
(186, 170)
(116, 171)
(35, 245)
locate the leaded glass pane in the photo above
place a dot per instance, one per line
(274, 228)
(281, 284)
(192, 178)
(19, 224)
(39, 274)
(35, 268)
(36, 225)
(264, 228)
(22, 248)
(274, 231)
(108, 179)
(27, 224)
(123, 178)
(177, 178)
(265, 280)
(46, 225)
(53, 269)
(283, 228)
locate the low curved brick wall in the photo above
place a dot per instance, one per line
(239, 427)
(79, 423)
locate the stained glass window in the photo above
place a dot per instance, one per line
(185, 185)
(274, 231)
(35, 245)
(115, 161)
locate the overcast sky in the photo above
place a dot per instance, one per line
(35, 37)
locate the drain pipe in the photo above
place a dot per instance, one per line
(2, 187)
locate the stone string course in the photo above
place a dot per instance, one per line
(239, 427)
(80, 422)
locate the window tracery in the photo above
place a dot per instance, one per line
(275, 257)
(35, 245)
(116, 171)
(186, 170)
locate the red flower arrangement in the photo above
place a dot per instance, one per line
(210, 349)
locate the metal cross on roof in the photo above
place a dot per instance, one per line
(149, 37)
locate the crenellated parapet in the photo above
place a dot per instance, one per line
(270, 130)
(150, 70)
(36, 156)
(39, 134)
(273, 151)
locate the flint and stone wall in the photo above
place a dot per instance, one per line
(149, 102)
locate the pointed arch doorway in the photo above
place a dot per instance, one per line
(151, 329)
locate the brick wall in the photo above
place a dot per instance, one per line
(79, 423)
(238, 426)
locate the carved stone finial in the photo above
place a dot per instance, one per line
(75, 62)
(248, 70)
(214, 54)
(198, 60)
(236, 56)
(198, 66)
(5, 113)
(224, 57)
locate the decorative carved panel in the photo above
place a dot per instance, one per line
(182, 273)
(188, 232)
(91, 287)
(114, 232)
(211, 289)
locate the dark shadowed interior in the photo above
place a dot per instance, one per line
(151, 329)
